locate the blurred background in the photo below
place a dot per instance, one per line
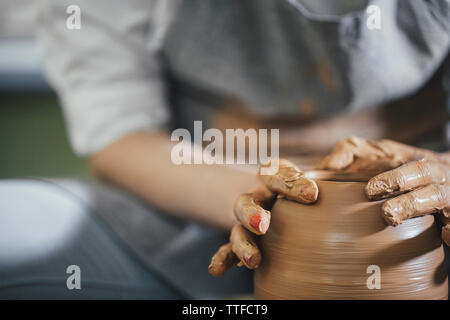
(31, 122)
(33, 139)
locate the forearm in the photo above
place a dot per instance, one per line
(140, 163)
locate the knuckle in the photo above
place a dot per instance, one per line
(442, 194)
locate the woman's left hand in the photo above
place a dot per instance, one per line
(417, 179)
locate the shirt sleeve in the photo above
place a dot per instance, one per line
(108, 73)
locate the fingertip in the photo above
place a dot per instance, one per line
(214, 272)
(383, 185)
(308, 193)
(259, 223)
(390, 213)
(314, 191)
(253, 261)
(375, 188)
(340, 160)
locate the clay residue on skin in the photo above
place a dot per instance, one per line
(244, 247)
(250, 213)
(222, 260)
(290, 182)
(356, 154)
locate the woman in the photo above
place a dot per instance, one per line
(137, 69)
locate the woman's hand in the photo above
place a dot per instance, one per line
(252, 212)
(418, 179)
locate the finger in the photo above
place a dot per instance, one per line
(354, 149)
(244, 247)
(400, 153)
(341, 157)
(422, 201)
(263, 195)
(222, 260)
(446, 234)
(372, 166)
(251, 214)
(406, 177)
(290, 182)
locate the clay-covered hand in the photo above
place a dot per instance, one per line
(418, 179)
(253, 215)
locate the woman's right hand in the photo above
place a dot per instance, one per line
(252, 210)
(416, 180)
(388, 161)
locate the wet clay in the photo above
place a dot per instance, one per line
(323, 251)
(243, 246)
(408, 177)
(291, 182)
(251, 214)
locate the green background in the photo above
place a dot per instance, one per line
(33, 139)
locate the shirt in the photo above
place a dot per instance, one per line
(115, 74)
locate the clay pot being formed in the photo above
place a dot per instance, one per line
(333, 249)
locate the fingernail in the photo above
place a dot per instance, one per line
(309, 192)
(253, 261)
(246, 260)
(260, 224)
